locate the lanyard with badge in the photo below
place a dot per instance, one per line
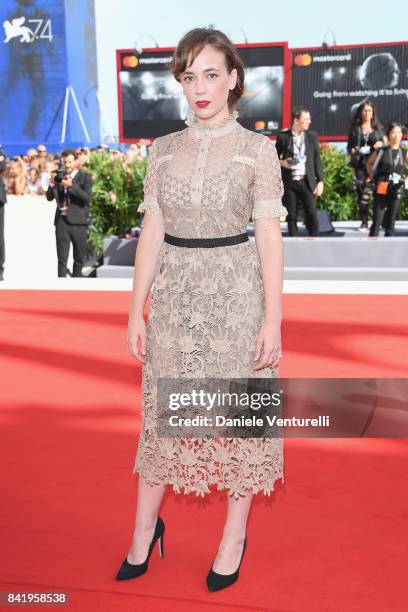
(299, 148)
(395, 177)
(365, 149)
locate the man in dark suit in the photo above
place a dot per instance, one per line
(302, 172)
(72, 189)
(3, 200)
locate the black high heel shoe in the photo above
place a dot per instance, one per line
(216, 582)
(130, 570)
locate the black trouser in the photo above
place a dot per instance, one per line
(294, 191)
(65, 234)
(364, 192)
(2, 246)
(385, 207)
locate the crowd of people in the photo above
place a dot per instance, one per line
(377, 157)
(302, 171)
(31, 173)
(379, 165)
(59, 177)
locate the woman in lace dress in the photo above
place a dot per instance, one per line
(215, 310)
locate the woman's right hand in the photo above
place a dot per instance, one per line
(136, 339)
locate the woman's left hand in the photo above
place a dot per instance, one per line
(268, 348)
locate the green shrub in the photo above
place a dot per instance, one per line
(337, 197)
(117, 192)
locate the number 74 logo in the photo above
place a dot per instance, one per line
(15, 29)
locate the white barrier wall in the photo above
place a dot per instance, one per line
(30, 240)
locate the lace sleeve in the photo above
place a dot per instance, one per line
(150, 203)
(268, 186)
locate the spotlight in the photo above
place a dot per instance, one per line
(325, 44)
(138, 49)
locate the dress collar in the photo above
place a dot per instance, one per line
(216, 129)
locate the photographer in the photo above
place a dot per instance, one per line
(302, 172)
(3, 200)
(72, 189)
(387, 170)
(365, 137)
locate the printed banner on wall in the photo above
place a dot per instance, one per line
(33, 69)
(80, 32)
(333, 82)
(38, 61)
(151, 101)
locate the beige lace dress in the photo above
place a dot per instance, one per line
(207, 303)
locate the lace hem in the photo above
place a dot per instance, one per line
(268, 209)
(202, 488)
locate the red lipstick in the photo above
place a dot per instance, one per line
(202, 103)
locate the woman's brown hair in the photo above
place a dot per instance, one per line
(193, 42)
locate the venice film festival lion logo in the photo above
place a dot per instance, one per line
(15, 29)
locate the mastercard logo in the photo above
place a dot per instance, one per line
(259, 125)
(303, 60)
(130, 61)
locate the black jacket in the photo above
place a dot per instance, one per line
(3, 164)
(355, 141)
(384, 164)
(314, 168)
(79, 196)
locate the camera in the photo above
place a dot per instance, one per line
(359, 158)
(293, 161)
(397, 190)
(61, 173)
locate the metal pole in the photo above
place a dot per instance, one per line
(81, 119)
(64, 120)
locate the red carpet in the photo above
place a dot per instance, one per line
(332, 538)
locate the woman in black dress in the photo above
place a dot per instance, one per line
(365, 136)
(388, 170)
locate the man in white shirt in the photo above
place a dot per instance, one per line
(302, 171)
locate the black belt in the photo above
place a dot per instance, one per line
(205, 242)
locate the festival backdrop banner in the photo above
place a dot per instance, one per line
(47, 47)
(151, 101)
(333, 82)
